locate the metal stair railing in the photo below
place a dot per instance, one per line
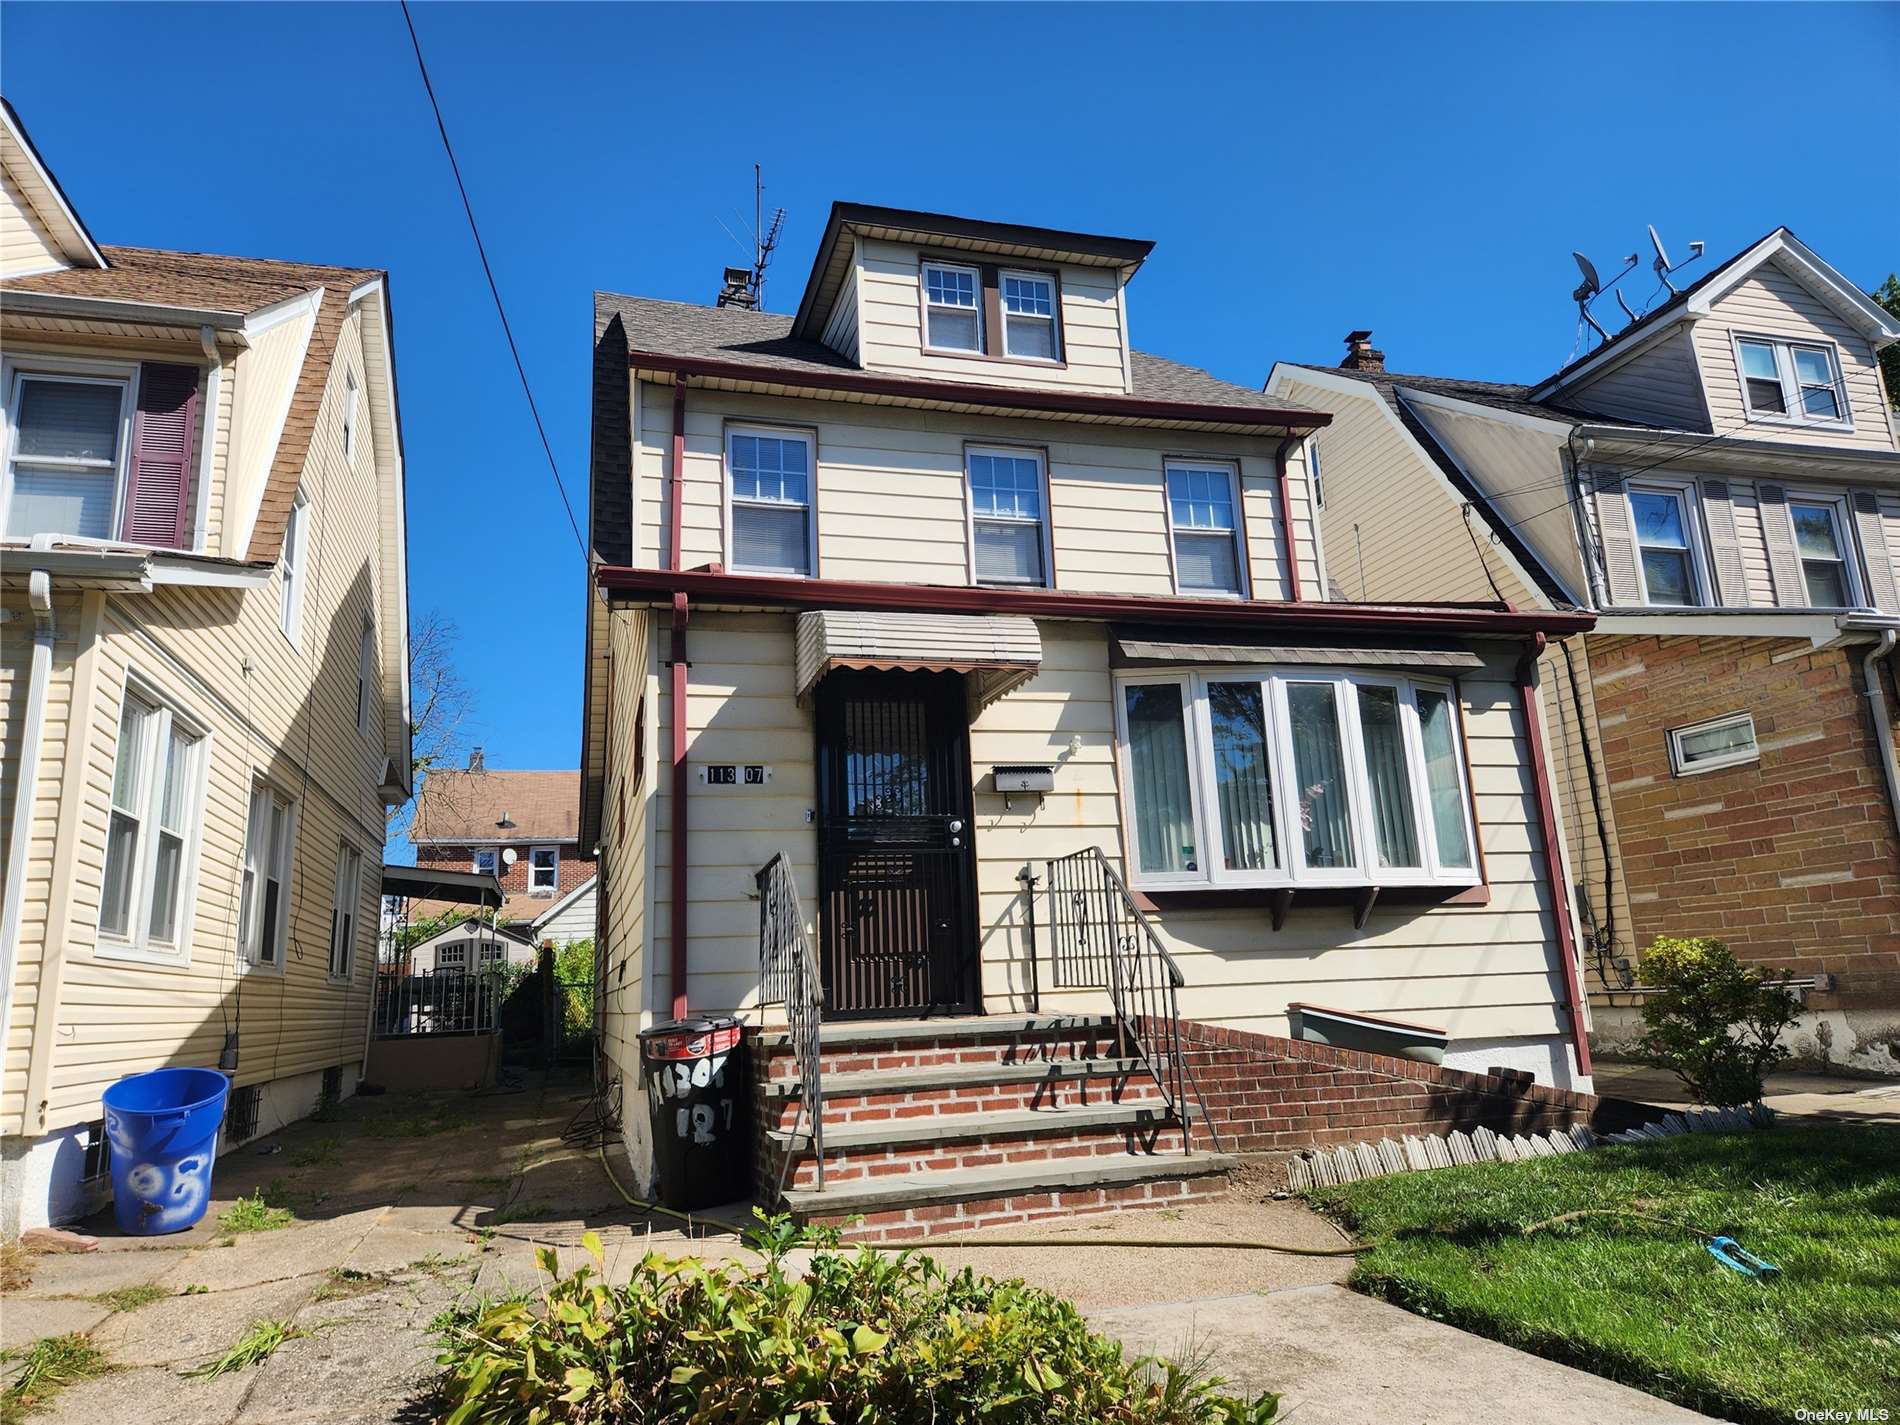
(788, 975)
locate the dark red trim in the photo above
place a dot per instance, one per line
(1553, 853)
(1286, 520)
(788, 591)
(677, 831)
(1013, 398)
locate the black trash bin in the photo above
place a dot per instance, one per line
(695, 1075)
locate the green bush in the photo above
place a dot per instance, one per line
(860, 1336)
(1714, 1022)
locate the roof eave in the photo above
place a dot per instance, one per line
(229, 325)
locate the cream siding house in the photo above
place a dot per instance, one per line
(941, 592)
(205, 678)
(1720, 483)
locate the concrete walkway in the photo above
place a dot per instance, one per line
(1792, 1094)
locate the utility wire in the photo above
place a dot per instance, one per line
(493, 291)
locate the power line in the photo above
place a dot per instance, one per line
(493, 291)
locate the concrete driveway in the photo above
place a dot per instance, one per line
(1793, 1093)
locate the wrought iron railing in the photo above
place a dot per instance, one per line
(788, 975)
(1099, 939)
(445, 1002)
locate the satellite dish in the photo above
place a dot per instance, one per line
(508, 856)
(1590, 285)
(1662, 263)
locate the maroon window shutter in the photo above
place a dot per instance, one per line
(158, 496)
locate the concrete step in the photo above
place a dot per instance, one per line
(947, 1076)
(962, 1127)
(909, 1191)
(856, 1033)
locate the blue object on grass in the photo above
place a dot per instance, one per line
(1730, 1254)
(163, 1127)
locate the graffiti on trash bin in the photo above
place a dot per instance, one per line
(167, 1197)
(699, 1122)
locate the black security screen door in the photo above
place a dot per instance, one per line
(895, 845)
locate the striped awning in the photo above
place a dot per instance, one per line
(1149, 650)
(998, 651)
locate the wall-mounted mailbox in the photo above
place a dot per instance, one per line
(1014, 781)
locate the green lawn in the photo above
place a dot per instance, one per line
(1645, 1304)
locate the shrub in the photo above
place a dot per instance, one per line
(1714, 1022)
(861, 1336)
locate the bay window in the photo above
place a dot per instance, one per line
(157, 798)
(1294, 777)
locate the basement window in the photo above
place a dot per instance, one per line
(1710, 746)
(243, 1114)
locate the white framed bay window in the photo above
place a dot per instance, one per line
(1289, 777)
(152, 830)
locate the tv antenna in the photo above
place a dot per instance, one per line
(745, 286)
(1664, 269)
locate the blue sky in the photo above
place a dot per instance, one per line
(1424, 171)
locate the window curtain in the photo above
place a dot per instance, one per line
(1435, 715)
(1241, 776)
(1319, 764)
(1396, 831)
(1163, 803)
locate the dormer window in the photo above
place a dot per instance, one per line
(1791, 381)
(1029, 316)
(953, 319)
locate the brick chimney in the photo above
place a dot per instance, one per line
(1360, 354)
(475, 760)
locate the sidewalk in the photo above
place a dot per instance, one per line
(1793, 1094)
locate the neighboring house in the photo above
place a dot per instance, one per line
(470, 945)
(204, 681)
(1720, 483)
(519, 827)
(939, 584)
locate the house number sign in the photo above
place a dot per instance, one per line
(734, 774)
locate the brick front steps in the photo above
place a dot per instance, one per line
(947, 1125)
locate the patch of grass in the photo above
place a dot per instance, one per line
(16, 1267)
(1645, 1303)
(193, 1289)
(131, 1298)
(345, 1282)
(428, 1119)
(252, 1214)
(50, 1365)
(436, 1262)
(323, 1150)
(255, 1346)
(523, 1212)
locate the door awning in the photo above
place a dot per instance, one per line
(998, 651)
(1149, 650)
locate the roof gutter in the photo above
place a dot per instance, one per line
(776, 591)
(1883, 721)
(1286, 517)
(1134, 408)
(230, 325)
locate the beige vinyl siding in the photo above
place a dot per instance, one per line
(574, 922)
(841, 328)
(1769, 302)
(890, 327)
(1660, 386)
(25, 244)
(290, 718)
(1890, 529)
(891, 494)
(262, 380)
(626, 852)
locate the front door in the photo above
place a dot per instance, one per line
(896, 869)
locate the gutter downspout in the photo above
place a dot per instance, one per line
(1286, 518)
(677, 831)
(1876, 704)
(1553, 855)
(26, 758)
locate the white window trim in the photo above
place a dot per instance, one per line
(1840, 509)
(366, 679)
(555, 884)
(349, 418)
(1054, 318)
(137, 943)
(493, 854)
(926, 305)
(294, 576)
(1680, 768)
(1239, 531)
(810, 506)
(16, 370)
(1293, 873)
(1795, 414)
(346, 850)
(970, 516)
(248, 961)
(1685, 495)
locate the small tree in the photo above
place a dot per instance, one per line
(1713, 1021)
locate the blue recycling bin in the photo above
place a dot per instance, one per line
(163, 1127)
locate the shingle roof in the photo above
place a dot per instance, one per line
(236, 284)
(1500, 395)
(461, 806)
(764, 339)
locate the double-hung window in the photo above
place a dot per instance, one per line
(953, 312)
(295, 562)
(66, 456)
(1821, 542)
(151, 831)
(1791, 381)
(483, 862)
(365, 677)
(1286, 777)
(1006, 517)
(1203, 518)
(770, 485)
(544, 868)
(344, 905)
(263, 903)
(349, 416)
(1665, 549)
(1029, 316)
